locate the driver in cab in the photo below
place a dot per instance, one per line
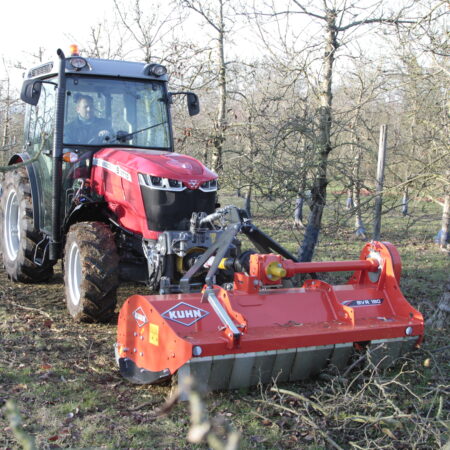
(86, 128)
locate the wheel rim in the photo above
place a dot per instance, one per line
(74, 271)
(12, 226)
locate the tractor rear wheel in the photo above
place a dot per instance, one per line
(91, 272)
(19, 238)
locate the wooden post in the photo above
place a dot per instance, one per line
(380, 181)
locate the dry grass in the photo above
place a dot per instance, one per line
(63, 380)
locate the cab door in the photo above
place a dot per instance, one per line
(39, 131)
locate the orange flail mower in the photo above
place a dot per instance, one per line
(259, 330)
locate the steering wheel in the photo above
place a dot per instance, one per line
(104, 135)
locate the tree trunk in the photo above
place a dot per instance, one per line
(356, 150)
(380, 182)
(350, 196)
(360, 230)
(405, 201)
(311, 237)
(219, 137)
(250, 172)
(248, 200)
(298, 213)
(440, 317)
(319, 190)
(6, 119)
(443, 234)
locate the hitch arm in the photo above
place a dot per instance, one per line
(264, 243)
(220, 246)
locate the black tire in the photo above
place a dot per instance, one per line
(18, 236)
(91, 272)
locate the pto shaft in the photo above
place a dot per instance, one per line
(275, 270)
(292, 268)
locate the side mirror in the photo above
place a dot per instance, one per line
(193, 104)
(31, 91)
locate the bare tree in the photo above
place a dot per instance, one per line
(363, 87)
(106, 40)
(336, 20)
(11, 116)
(423, 73)
(146, 31)
(215, 17)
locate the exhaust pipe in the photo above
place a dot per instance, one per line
(55, 246)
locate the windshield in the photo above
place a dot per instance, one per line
(101, 111)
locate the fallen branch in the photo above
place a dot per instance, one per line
(28, 308)
(353, 364)
(315, 405)
(202, 429)
(308, 422)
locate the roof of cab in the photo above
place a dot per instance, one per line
(99, 67)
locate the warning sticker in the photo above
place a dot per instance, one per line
(139, 316)
(185, 314)
(154, 334)
(364, 302)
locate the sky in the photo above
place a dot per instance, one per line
(29, 24)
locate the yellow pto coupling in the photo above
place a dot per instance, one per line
(275, 270)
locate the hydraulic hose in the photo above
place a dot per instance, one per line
(219, 213)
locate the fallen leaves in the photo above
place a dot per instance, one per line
(19, 387)
(48, 323)
(388, 433)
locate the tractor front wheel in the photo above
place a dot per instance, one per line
(19, 239)
(91, 272)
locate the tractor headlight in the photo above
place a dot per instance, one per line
(175, 183)
(209, 186)
(157, 70)
(155, 181)
(163, 184)
(77, 62)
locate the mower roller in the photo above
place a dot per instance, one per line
(259, 330)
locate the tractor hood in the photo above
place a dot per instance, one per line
(157, 163)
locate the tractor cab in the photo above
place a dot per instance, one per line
(98, 112)
(85, 106)
(119, 112)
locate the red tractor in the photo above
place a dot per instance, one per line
(103, 189)
(104, 182)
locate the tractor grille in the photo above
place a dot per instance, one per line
(172, 210)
